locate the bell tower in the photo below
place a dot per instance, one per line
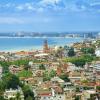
(45, 47)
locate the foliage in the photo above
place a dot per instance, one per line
(65, 78)
(41, 67)
(88, 50)
(77, 89)
(71, 52)
(18, 96)
(77, 98)
(5, 63)
(10, 81)
(87, 88)
(80, 61)
(28, 93)
(1, 88)
(25, 73)
(48, 75)
(52, 73)
(29, 98)
(98, 88)
(2, 98)
(84, 81)
(20, 62)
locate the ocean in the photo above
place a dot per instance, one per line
(33, 43)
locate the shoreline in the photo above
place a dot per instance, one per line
(59, 41)
(40, 37)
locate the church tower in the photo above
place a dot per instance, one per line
(45, 47)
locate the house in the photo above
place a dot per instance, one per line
(89, 95)
(54, 66)
(57, 79)
(97, 52)
(69, 91)
(43, 94)
(71, 67)
(48, 94)
(1, 70)
(30, 81)
(75, 75)
(8, 94)
(14, 69)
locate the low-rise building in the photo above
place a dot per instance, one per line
(8, 94)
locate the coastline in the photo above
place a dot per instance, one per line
(39, 37)
(33, 43)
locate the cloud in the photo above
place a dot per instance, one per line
(26, 6)
(10, 20)
(25, 20)
(51, 2)
(54, 5)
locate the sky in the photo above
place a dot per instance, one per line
(49, 15)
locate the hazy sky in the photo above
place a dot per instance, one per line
(49, 15)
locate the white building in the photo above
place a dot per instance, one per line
(1, 70)
(8, 94)
(97, 52)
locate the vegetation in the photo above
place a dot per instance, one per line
(41, 67)
(25, 73)
(71, 52)
(77, 98)
(18, 96)
(20, 62)
(48, 75)
(28, 93)
(52, 73)
(88, 50)
(2, 98)
(80, 61)
(10, 81)
(5, 63)
(65, 78)
(98, 88)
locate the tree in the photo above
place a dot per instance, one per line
(28, 93)
(20, 62)
(98, 88)
(41, 67)
(5, 69)
(25, 73)
(52, 73)
(1, 88)
(80, 61)
(88, 50)
(18, 96)
(65, 78)
(27, 67)
(29, 98)
(77, 98)
(46, 76)
(71, 52)
(1, 98)
(10, 81)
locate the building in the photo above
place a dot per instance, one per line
(97, 52)
(89, 95)
(69, 91)
(46, 49)
(8, 94)
(1, 70)
(15, 69)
